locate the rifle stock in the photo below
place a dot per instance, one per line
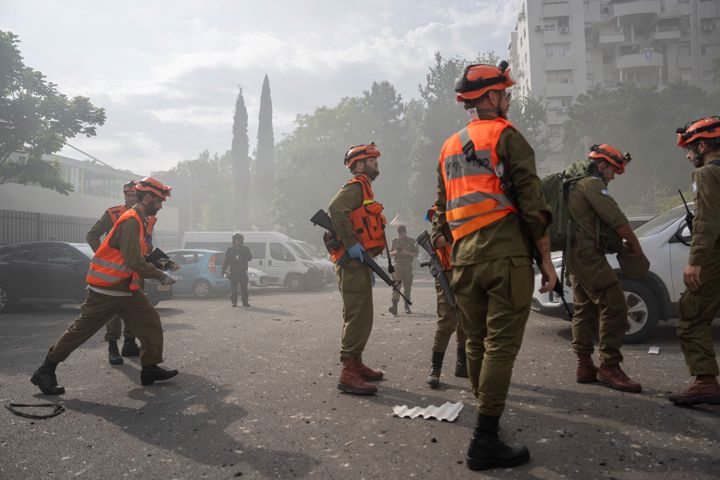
(689, 217)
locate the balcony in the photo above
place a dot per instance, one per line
(650, 59)
(556, 89)
(559, 9)
(560, 35)
(559, 63)
(606, 38)
(637, 7)
(671, 34)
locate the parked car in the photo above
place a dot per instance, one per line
(273, 253)
(664, 240)
(201, 273)
(52, 273)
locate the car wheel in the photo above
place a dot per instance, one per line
(643, 314)
(294, 282)
(6, 299)
(202, 289)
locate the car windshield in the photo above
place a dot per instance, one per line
(84, 249)
(299, 251)
(661, 222)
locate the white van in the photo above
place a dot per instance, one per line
(285, 263)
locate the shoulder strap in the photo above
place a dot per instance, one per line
(468, 148)
(715, 162)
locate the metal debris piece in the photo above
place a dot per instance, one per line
(447, 411)
(654, 350)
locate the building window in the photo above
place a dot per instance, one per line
(557, 50)
(710, 49)
(566, 102)
(560, 76)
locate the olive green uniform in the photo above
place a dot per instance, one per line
(114, 327)
(493, 276)
(354, 279)
(102, 304)
(698, 307)
(448, 321)
(406, 250)
(598, 299)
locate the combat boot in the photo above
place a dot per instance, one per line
(461, 363)
(704, 389)
(113, 353)
(350, 380)
(367, 373)
(614, 377)
(433, 378)
(130, 348)
(154, 373)
(586, 371)
(488, 451)
(44, 378)
(407, 309)
(393, 309)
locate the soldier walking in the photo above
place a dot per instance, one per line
(700, 302)
(492, 266)
(235, 267)
(405, 251)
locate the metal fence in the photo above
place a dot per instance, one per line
(16, 227)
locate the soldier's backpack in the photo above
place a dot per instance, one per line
(555, 189)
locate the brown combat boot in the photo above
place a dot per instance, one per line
(704, 389)
(614, 377)
(586, 370)
(350, 380)
(367, 373)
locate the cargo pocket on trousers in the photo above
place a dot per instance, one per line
(521, 280)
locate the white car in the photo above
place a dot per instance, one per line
(664, 240)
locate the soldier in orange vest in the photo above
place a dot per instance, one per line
(359, 224)
(490, 198)
(114, 280)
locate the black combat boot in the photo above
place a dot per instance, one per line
(488, 451)
(433, 378)
(393, 309)
(130, 348)
(45, 379)
(113, 353)
(153, 373)
(407, 308)
(461, 363)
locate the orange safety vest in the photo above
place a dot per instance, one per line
(474, 194)
(107, 267)
(116, 212)
(367, 221)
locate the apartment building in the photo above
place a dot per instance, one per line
(562, 48)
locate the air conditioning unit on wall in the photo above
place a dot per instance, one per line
(564, 29)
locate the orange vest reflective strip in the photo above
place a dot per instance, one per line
(108, 267)
(367, 221)
(116, 212)
(474, 193)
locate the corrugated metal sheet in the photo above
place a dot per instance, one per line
(447, 411)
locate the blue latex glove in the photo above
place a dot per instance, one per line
(372, 279)
(356, 252)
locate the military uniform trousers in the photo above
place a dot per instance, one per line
(98, 309)
(448, 321)
(242, 280)
(600, 310)
(494, 303)
(356, 290)
(115, 328)
(697, 309)
(403, 276)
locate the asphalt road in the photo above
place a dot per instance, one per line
(256, 398)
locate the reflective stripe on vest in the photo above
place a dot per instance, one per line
(474, 193)
(108, 267)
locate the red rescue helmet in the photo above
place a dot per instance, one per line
(129, 187)
(705, 128)
(611, 155)
(480, 78)
(157, 188)
(361, 152)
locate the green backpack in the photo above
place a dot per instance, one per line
(555, 189)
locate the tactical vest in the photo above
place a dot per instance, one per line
(473, 183)
(368, 222)
(108, 267)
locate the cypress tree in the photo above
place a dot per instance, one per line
(265, 160)
(240, 165)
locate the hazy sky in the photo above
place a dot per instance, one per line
(167, 72)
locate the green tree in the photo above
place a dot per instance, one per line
(240, 165)
(529, 116)
(36, 119)
(264, 160)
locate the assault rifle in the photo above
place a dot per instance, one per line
(160, 260)
(322, 219)
(689, 217)
(436, 268)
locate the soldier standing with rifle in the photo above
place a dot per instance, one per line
(405, 251)
(359, 224)
(493, 230)
(448, 319)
